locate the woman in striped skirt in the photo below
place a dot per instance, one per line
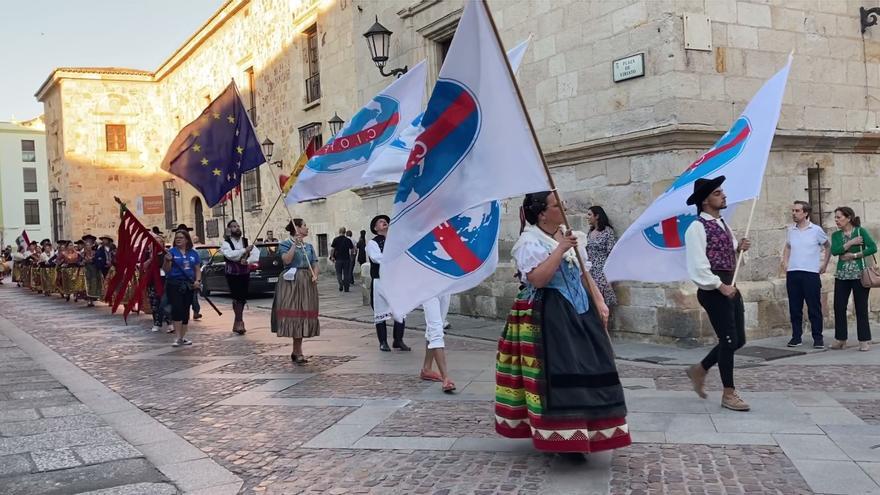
(295, 308)
(556, 381)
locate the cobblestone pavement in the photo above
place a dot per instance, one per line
(355, 420)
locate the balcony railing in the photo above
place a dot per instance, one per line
(313, 88)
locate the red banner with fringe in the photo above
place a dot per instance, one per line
(136, 244)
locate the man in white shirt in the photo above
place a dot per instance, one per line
(239, 256)
(801, 262)
(711, 263)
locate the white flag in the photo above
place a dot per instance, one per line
(652, 248)
(477, 145)
(388, 166)
(454, 257)
(340, 164)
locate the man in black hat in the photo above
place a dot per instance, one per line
(381, 308)
(711, 262)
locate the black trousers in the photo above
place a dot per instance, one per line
(842, 288)
(180, 296)
(343, 273)
(728, 320)
(804, 287)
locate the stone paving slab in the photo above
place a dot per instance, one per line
(836, 477)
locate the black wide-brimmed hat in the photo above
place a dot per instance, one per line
(376, 219)
(79, 242)
(89, 237)
(45, 241)
(703, 188)
(106, 237)
(183, 227)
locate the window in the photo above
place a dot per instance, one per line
(219, 210)
(322, 245)
(30, 179)
(115, 134)
(443, 47)
(306, 133)
(212, 228)
(170, 209)
(816, 194)
(28, 152)
(32, 212)
(250, 186)
(313, 75)
(252, 95)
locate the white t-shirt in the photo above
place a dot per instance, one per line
(806, 248)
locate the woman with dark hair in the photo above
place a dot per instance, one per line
(600, 242)
(556, 380)
(295, 307)
(851, 243)
(183, 275)
(361, 247)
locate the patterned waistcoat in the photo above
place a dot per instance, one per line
(719, 246)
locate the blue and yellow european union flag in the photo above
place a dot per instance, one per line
(213, 151)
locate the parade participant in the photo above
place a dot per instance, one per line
(801, 263)
(19, 259)
(79, 275)
(196, 305)
(93, 270)
(239, 255)
(104, 255)
(556, 379)
(66, 263)
(183, 276)
(851, 243)
(5, 263)
(381, 308)
(48, 281)
(435, 346)
(295, 307)
(600, 242)
(711, 263)
(157, 303)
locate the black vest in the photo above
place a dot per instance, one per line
(374, 267)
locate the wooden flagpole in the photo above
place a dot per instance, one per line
(739, 255)
(537, 145)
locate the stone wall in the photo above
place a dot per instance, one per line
(614, 144)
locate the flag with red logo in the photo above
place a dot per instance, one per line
(652, 248)
(477, 145)
(340, 164)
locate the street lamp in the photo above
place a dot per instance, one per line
(335, 123)
(379, 41)
(268, 150)
(55, 196)
(169, 186)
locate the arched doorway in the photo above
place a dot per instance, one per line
(199, 214)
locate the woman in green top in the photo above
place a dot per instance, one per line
(851, 244)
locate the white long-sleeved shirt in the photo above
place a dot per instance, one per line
(374, 252)
(235, 252)
(698, 265)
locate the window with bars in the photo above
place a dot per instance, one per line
(250, 190)
(28, 151)
(170, 209)
(30, 179)
(212, 228)
(306, 133)
(32, 212)
(313, 73)
(322, 245)
(115, 135)
(816, 194)
(252, 95)
(219, 210)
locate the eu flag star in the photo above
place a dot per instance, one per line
(214, 150)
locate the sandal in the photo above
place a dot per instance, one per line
(430, 376)
(448, 387)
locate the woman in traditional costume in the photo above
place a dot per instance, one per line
(94, 275)
(295, 307)
(556, 380)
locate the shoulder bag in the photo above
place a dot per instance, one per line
(870, 274)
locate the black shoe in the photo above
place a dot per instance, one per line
(574, 457)
(400, 345)
(384, 347)
(197, 316)
(794, 343)
(818, 344)
(340, 288)
(346, 290)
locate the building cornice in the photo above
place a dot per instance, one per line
(679, 137)
(92, 73)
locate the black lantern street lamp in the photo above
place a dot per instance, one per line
(269, 150)
(170, 187)
(53, 194)
(868, 17)
(379, 41)
(335, 123)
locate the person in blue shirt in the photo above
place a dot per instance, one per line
(183, 276)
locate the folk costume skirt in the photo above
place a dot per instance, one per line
(73, 280)
(49, 280)
(555, 379)
(295, 307)
(94, 282)
(36, 279)
(16, 272)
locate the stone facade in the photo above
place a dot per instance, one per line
(612, 144)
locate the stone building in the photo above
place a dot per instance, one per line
(25, 202)
(616, 144)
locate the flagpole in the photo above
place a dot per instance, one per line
(537, 143)
(739, 256)
(286, 208)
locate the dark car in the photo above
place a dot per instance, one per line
(264, 274)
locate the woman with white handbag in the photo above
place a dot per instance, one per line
(851, 244)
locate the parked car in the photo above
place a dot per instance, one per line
(264, 274)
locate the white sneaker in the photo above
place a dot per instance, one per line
(155, 329)
(177, 343)
(186, 342)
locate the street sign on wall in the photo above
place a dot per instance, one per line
(629, 67)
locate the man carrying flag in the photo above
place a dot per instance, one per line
(213, 151)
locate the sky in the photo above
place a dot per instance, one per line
(37, 36)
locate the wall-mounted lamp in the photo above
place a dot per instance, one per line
(268, 150)
(869, 17)
(335, 123)
(379, 41)
(169, 186)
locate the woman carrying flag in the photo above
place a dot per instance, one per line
(295, 307)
